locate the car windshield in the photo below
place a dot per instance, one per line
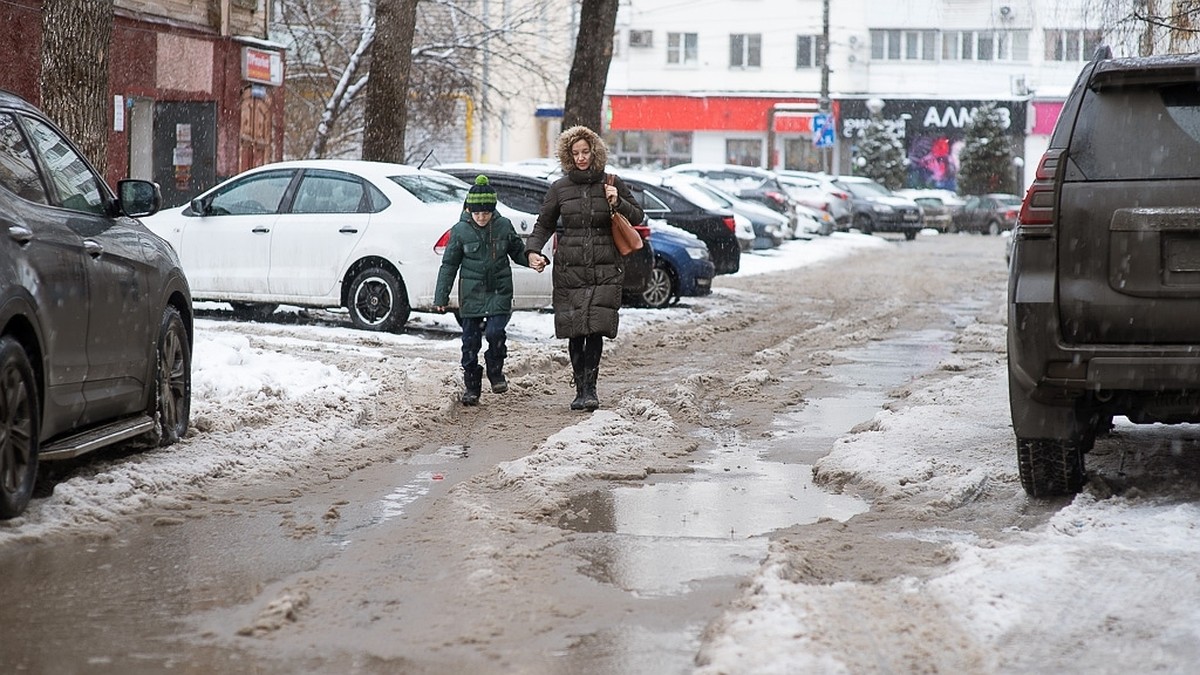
(700, 195)
(866, 189)
(432, 189)
(1008, 200)
(1166, 117)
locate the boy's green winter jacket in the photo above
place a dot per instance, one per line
(485, 286)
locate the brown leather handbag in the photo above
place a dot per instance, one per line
(624, 236)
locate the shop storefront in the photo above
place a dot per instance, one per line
(189, 107)
(932, 131)
(656, 131)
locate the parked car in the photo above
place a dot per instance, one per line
(747, 182)
(664, 196)
(682, 266)
(770, 227)
(877, 209)
(991, 213)
(817, 190)
(937, 206)
(366, 236)
(811, 222)
(95, 312)
(524, 186)
(1104, 287)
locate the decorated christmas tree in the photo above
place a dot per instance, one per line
(986, 161)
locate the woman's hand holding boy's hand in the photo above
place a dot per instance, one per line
(537, 261)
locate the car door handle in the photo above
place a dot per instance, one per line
(261, 230)
(349, 230)
(20, 234)
(93, 248)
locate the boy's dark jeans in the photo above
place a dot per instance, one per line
(474, 330)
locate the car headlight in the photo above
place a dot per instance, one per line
(881, 208)
(696, 253)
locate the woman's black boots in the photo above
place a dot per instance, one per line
(585, 366)
(575, 351)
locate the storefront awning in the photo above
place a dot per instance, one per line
(650, 112)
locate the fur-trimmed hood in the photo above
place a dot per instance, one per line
(599, 149)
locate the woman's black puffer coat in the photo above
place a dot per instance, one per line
(588, 271)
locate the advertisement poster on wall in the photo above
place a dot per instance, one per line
(932, 132)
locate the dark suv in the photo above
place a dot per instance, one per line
(1104, 281)
(95, 313)
(878, 209)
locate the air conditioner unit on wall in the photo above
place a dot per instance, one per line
(641, 38)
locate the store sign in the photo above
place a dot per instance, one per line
(909, 117)
(931, 131)
(263, 66)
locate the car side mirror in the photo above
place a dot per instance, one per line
(139, 198)
(199, 207)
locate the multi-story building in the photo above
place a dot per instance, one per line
(196, 88)
(743, 81)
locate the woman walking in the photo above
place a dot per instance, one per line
(588, 271)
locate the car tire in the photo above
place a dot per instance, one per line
(993, 228)
(253, 311)
(910, 234)
(171, 403)
(1050, 467)
(19, 429)
(661, 288)
(378, 301)
(863, 223)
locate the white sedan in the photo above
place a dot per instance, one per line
(367, 236)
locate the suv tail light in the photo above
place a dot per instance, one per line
(643, 230)
(442, 242)
(1037, 210)
(730, 223)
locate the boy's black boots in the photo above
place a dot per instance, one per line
(473, 382)
(495, 375)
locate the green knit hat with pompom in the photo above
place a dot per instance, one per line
(482, 196)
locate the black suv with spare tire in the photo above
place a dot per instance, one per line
(1104, 279)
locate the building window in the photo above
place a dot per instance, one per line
(650, 150)
(745, 50)
(682, 48)
(985, 45)
(810, 51)
(903, 45)
(1072, 45)
(744, 152)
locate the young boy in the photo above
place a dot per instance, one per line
(481, 243)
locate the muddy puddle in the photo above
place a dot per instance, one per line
(673, 535)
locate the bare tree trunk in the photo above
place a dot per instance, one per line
(386, 111)
(589, 70)
(1146, 39)
(76, 35)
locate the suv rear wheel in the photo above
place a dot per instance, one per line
(171, 403)
(18, 429)
(1050, 467)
